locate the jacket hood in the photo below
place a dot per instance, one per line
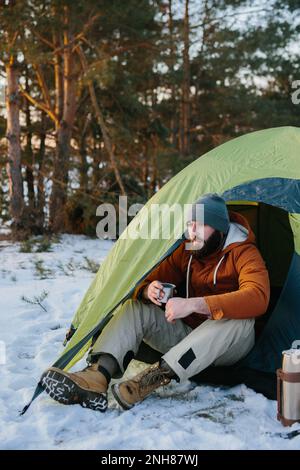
(239, 232)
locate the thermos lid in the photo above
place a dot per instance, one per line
(291, 352)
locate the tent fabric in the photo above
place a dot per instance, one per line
(285, 192)
(267, 154)
(262, 166)
(85, 343)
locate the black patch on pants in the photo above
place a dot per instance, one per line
(186, 360)
(127, 358)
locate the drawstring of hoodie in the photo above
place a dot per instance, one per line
(188, 276)
(189, 269)
(216, 270)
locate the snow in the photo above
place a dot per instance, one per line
(179, 416)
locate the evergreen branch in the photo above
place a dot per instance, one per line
(13, 39)
(39, 105)
(92, 46)
(221, 18)
(74, 41)
(128, 47)
(43, 85)
(86, 27)
(107, 141)
(42, 39)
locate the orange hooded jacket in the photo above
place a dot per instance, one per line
(233, 280)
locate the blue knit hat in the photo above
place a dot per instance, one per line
(215, 212)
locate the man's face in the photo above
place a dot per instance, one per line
(204, 239)
(198, 234)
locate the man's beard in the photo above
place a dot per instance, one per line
(210, 245)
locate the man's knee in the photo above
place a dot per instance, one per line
(131, 307)
(140, 315)
(131, 304)
(137, 305)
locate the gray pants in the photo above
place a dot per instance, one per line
(187, 351)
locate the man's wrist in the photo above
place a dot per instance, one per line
(145, 293)
(199, 305)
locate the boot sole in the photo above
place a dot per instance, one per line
(64, 390)
(116, 394)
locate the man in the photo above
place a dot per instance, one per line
(227, 286)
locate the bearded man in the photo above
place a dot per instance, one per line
(227, 286)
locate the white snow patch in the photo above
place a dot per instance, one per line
(179, 416)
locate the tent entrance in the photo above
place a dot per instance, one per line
(275, 241)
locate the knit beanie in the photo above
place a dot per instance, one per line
(215, 212)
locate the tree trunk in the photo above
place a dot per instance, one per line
(95, 165)
(29, 155)
(172, 64)
(64, 127)
(205, 19)
(58, 79)
(14, 149)
(40, 178)
(155, 180)
(185, 107)
(84, 166)
(145, 168)
(106, 138)
(58, 196)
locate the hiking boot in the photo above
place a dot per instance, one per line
(130, 392)
(87, 388)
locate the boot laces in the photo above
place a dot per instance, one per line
(154, 377)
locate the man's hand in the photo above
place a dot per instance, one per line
(154, 292)
(178, 307)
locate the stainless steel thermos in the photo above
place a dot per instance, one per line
(288, 388)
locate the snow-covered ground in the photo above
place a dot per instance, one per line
(182, 416)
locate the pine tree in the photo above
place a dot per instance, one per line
(12, 19)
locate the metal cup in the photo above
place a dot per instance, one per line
(168, 291)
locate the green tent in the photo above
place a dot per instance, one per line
(258, 174)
